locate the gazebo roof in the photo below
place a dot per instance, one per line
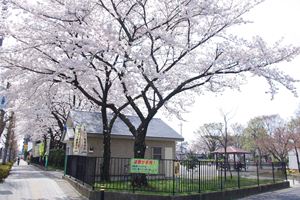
(232, 150)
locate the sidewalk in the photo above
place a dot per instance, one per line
(27, 182)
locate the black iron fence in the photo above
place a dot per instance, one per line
(176, 176)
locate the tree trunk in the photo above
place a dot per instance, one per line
(297, 157)
(106, 146)
(259, 158)
(106, 156)
(2, 122)
(10, 153)
(8, 138)
(4, 155)
(225, 149)
(140, 180)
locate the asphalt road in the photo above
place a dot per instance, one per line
(27, 182)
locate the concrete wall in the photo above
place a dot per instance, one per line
(224, 195)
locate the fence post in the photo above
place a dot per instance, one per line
(239, 181)
(65, 164)
(273, 173)
(84, 171)
(173, 178)
(95, 170)
(221, 178)
(199, 184)
(257, 173)
(132, 182)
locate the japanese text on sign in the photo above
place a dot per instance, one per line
(143, 166)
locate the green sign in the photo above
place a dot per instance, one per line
(143, 166)
(42, 148)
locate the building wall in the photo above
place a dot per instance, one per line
(124, 147)
(292, 159)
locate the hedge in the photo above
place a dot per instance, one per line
(56, 158)
(4, 170)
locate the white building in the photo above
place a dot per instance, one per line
(293, 159)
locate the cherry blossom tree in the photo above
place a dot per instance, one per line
(276, 140)
(140, 56)
(269, 136)
(294, 131)
(277, 144)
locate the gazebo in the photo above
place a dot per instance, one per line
(231, 150)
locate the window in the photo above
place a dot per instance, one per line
(91, 149)
(156, 153)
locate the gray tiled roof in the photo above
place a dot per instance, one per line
(157, 128)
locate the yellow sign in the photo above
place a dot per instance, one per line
(176, 168)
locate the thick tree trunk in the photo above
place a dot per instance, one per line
(2, 122)
(4, 155)
(297, 157)
(106, 146)
(10, 153)
(140, 180)
(8, 138)
(106, 157)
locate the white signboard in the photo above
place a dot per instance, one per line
(83, 140)
(80, 141)
(76, 140)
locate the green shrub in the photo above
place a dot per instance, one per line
(191, 162)
(56, 158)
(4, 170)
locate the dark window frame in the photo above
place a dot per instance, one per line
(157, 153)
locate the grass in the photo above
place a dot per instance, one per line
(182, 186)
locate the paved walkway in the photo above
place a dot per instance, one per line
(292, 193)
(27, 182)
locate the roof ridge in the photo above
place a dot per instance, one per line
(98, 112)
